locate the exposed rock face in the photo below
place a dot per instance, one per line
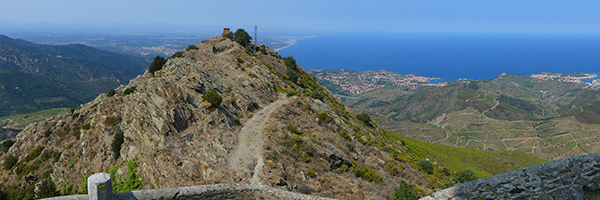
(568, 178)
(179, 140)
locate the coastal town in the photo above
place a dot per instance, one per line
(356, 83)
(571, 78)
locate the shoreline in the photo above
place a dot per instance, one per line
(296, 40)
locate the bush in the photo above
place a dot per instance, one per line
(229, 36)
(345, 135)
(290, 62)
(406, 191)
(324, 117)
(310, 172)
(293, 129)
(426, 166)
(111, 92)
(365, 118)
(157, 64)
(47, 189)
(47, 133)
(7, 144)
(116, 144)
(464, 176)
(129, 90)
(242, 37)
(86, 126)
(34, 154)
(191, 47)
(178, 54)
(316, 95)
(212, 97)
(75, 116)
(10, 161)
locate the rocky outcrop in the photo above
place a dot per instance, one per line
(569, 178)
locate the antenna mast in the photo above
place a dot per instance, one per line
(254, 39)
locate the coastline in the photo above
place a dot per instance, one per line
(296, 40)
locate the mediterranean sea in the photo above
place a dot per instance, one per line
(450, 56)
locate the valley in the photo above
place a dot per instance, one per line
(548, 117)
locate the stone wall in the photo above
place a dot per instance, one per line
(219, 191)
(569, 178)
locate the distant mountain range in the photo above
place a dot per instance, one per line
(35, 77)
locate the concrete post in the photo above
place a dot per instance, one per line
(100, 187)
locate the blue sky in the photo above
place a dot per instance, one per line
(519, 16)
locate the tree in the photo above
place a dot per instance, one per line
(426, 166)
(111, 92)
(212, 97)
(464, 176)
(242, 37)
(157, 64)
(116, 144)
(10, 161)
(365, 118)
(47, 189)
(406, 191)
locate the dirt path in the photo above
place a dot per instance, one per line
(249, 150)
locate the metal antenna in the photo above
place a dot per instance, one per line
(254, 39)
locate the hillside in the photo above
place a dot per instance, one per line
(546, 118)
(37, 77)
(274, 125)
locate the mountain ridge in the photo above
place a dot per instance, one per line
(36, 77)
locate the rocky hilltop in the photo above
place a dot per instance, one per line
(275, 126)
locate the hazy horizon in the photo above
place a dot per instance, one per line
(510, 16)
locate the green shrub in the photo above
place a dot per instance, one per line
(293, 129)
(10, 161)
(241, 37)
(129, 90)
(310, 173)
(75, 116)
(118, 140)
(316, 95)
(406, 191)
(464, 176)
(157, 64)
(229, 36)
(391, 168)
(111, 92)
(324, 117)
(191, 47)
(34, 154)
(47, 189)
(365, 118)
(178, 54)
(426, 166)
(367, 174)
(47, 133)
(6, 144)
(86, 126)
(212, 97)
(345, 135)
(55, 155)
(132, 179)
(291, 93)
(67, 189)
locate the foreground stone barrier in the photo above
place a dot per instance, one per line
(569, 178)
(219, 191)
(100, 187)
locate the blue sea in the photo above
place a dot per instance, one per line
(450, 56)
